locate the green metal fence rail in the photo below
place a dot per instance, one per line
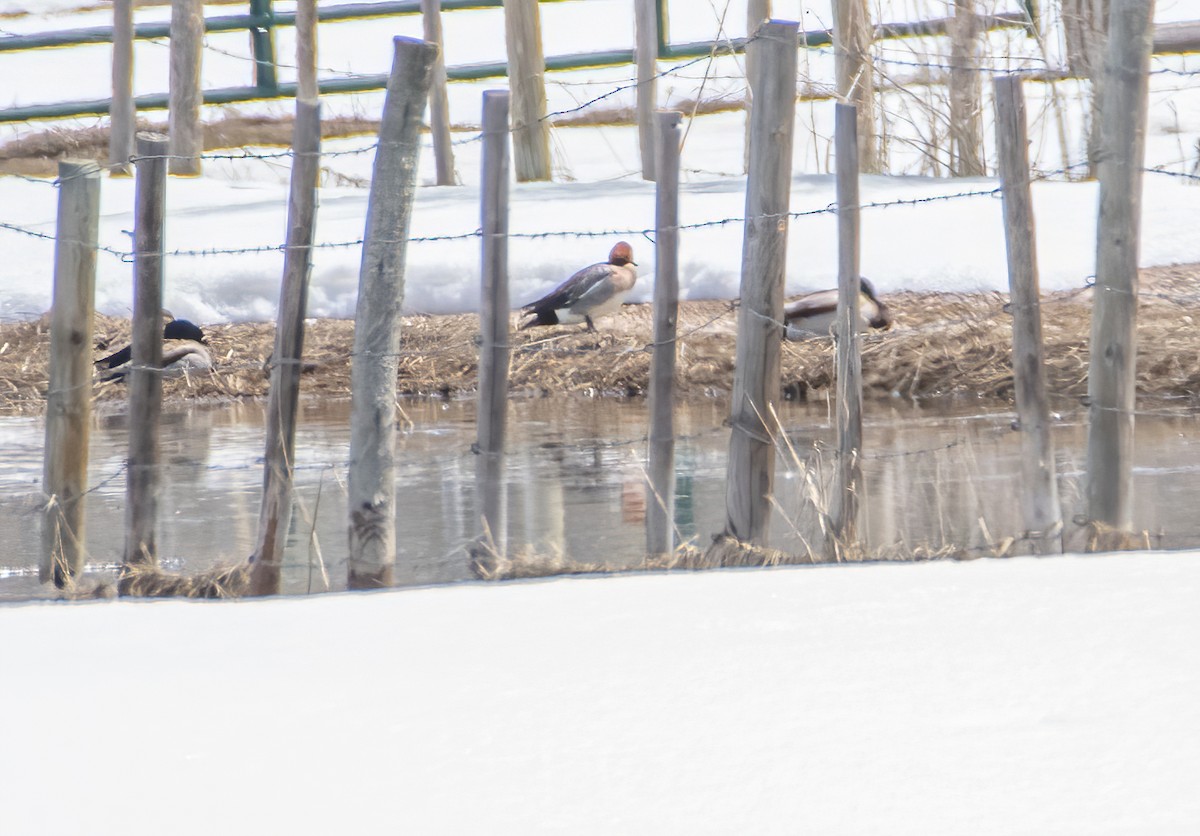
(263, 19)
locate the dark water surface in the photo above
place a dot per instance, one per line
(934, 475)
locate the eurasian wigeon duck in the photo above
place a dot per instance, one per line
(595, 291)
(187, 352)
(813, 314)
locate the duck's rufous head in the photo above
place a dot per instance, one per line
(621, 254)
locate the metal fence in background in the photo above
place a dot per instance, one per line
(263, 19)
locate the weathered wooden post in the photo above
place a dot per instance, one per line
(527, 80)
(646, 52)
(186, 89)
(439, 105)
(306, 51)
(493, 321)
(660, 470)
(284, 399)
(751, 469)
(847, 483)
(145, 376)
(757, 13)
(1112, 368)
(372, 480)
(855, 75)
(1085, 31)
(966, 111)
(1039, 502)
(69, 395)
(122, 116)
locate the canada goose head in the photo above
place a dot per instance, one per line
(621, 254)
(880, 317)
(182, 329)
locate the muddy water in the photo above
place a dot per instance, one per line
(934, 476)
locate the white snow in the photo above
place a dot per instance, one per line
(598, 196)
(1054, 696)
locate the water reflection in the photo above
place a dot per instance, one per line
(574, 484)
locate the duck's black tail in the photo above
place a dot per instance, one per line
(117, 358)
(539, 316)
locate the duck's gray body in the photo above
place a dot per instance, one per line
(813, 314)
(185, 351)
(594, 291)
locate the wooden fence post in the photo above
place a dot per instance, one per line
(145, 376)
(372, 480)
(122, 115)
(527, 80)
(493, 320)
(848, 472)
(660, 470)
(1112, 369)
(757, 12)
(306, 51)
(855, 75)
(284, 398)
(751, 469)
(187, 91)
(966, 110)
(1040, 507)
(69, 395)
(439, 105)
(1085, 31)
(646, 52)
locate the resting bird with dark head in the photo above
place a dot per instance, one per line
(595, 291)
(813, 314)
(187, 351)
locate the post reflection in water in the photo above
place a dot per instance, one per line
(574, 476)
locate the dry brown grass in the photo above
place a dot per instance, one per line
(726, 552)
(230, 581)
(37, 154)
(943, 344)
(147, 581)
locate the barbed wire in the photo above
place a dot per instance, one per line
(648, 232)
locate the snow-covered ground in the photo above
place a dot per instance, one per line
(598, 196)
(1053, 696)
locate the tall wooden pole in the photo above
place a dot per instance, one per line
(966, 112)
(1039, 498)
(122, 116)
(306, 51)
(1085, 32)
(660, 470)
(283, 400)
(527, 80)
(145, 376)
(439, 105)
(1112, 369)
(69, 395)
(855, 75)
(372, 476)
(751, 469)
(187, 91)
(757, 13)
(493, 319)
(646, 30)
(848, 472)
